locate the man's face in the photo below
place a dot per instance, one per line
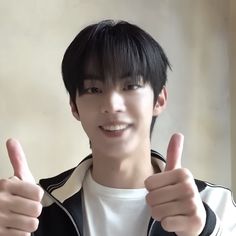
(116, 118)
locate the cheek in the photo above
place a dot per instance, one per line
(145, 103)
(86, 107)
(142, 109)
(88, 126)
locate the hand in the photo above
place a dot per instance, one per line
(173, 197)
(19, 196)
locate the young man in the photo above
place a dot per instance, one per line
(115, 74)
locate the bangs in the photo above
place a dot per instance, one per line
(111, 55)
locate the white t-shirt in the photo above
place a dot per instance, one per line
(112, 211)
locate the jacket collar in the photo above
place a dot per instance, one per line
(68, 183)
(66, 189)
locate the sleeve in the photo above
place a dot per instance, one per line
(210, 221)
(221, 211)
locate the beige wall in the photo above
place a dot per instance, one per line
(233, 89)
(34, 105)
(199, 101)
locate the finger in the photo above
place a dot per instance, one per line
(183, 225)
(175, 223)
(18, 161)
(168, 193)
(20, 222)
(13, 232)
(165, 179)
(25, 189)
(174, 208)
(25, 207)
(174, 152)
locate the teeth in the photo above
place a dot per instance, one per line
(114, 127)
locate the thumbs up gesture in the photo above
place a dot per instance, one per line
(19, 196)
(173, 197)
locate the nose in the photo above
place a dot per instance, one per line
(113, 102)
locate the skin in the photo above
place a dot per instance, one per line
(121, 160)
(173, 197)
(19, 196)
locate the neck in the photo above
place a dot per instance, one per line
(122, 171)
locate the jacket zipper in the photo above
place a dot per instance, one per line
(149, 234)
(67, 212)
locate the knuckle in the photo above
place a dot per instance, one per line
(183, 174)
(35, 225)
(38, 209)
(37, 193)
(166, 224)
(4, 202)
(32, 225)
(24, 234)
(198, 223)
(188, 189)
(191, 206)
(150, 199)
(4, 184)
(148, 183)
(40, 193)
(156, 213)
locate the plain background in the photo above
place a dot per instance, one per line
(199, 39)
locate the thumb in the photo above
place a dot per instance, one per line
(18, 161)
(174, 152)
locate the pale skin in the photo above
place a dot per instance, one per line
(19, 196)
(173, 197)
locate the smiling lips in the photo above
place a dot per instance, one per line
(114, 130)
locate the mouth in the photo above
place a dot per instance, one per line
(113, 128)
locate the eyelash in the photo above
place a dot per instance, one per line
(96, 90)
(132, 86)
(92, 90)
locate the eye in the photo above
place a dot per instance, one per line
(92, 90)
(132, 86)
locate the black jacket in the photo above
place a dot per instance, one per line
(62, 213)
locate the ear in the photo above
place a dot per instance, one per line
(161, 102)
(74, 110)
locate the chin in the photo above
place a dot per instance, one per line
(117, 151)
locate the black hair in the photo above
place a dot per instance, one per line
(114, 50)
